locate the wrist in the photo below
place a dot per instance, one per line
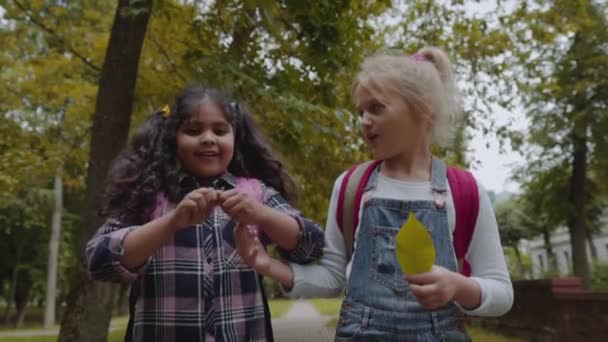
(468, 292)
(280, 272)
(264, 214)
(171, 223)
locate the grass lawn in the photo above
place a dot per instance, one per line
(327, 306)
(116, 335)
(477, 334)
(279, 307)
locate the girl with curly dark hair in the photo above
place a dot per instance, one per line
(190, 175)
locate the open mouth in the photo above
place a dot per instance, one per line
(371, 137)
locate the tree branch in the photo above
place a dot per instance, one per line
(166, 57)
(53, 33)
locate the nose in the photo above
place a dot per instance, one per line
(365, 120)
(207, 138)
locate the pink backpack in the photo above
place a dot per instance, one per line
(464, 193)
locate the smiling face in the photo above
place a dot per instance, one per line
(205, 142)
(389, 126)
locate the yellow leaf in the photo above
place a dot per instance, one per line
(414, 247)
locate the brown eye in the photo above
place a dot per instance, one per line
(191, 130)
(221, 131)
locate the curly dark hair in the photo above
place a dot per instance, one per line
(149, 164)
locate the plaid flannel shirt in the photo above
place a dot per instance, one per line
(196, 287)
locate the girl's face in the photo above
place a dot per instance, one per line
(205, 142)
(389, 126)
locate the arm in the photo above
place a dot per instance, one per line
(325, 279)
(281, 228)
(118, 252)
(488, 292)
(105, 250)
(305, 241)
(143, 242)
(488, 264)
(299, 239)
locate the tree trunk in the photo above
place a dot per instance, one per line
(592, 246)
(11, 295)
(22, 295)
(13, 287)
(90, 303)
(577, 224)
(551, 259)
(520, 264)
(51, 276)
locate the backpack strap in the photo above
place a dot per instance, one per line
(465, 195)
(349, 201)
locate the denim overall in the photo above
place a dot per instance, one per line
(379, 305)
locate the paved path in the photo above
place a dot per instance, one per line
(302, 324)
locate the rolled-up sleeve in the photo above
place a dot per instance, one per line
(105, 250)
(311, 238)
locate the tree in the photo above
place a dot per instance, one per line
(89, 309)
(511, 224)
(560, 49)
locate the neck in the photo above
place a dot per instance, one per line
(412, 165)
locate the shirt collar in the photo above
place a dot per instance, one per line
(186, 179)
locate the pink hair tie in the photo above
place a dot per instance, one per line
(419, 57)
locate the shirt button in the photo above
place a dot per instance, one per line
(209, 260)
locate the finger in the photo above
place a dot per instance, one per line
(224, 195)
(243, 242)
(235, 211)
(201, 202)
(212, 197)
(195, 195)
(422, 278)
(243, 233)
(423, 290)
(240, 235)
(227, 203)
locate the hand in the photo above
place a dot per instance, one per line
(435, 288)
(250, 249)
(241, 207)
(194, 208)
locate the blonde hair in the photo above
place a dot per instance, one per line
(425, 80)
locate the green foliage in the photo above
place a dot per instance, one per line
(292, 62)
(279, 307)
(558, 50)
(519, 268)
(327, 306)
(599, 276)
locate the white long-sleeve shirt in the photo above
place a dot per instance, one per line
(485, 253)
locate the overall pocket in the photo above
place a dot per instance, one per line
(384, 266)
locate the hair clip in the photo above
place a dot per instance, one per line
(166, 111)
(419, 57)
(234, 107)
